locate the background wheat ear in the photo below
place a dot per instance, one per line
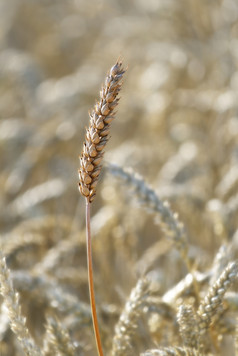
(17, 321)
(57, 340)
(90, 161)
(211, 305)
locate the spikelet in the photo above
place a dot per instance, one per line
(98, 131)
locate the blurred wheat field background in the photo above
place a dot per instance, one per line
(163, 281)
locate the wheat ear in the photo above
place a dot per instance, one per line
(11, 301)
(168, 220)
(213, 300)
(90, 164)
(212, 303)
(97, 134)
(173, 228)
(127, 324)
(188, 325)
(57, 339)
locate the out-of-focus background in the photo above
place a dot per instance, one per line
(177, 125)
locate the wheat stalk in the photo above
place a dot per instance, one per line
(90, 164)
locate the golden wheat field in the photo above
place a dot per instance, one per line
(164, 217)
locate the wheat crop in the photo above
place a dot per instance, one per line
(163, 218)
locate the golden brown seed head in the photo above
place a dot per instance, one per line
(98, 131)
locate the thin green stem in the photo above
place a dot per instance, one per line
(90, 280)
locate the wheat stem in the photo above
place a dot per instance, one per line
(96, 138)
(90, 280)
